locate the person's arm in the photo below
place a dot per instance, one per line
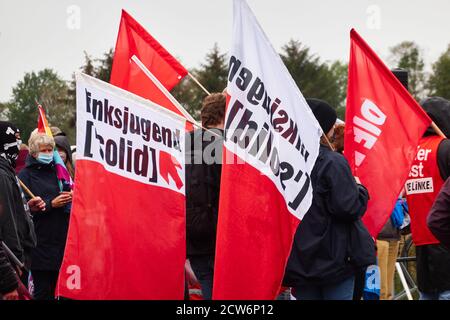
(439, 217)
(347, 200)
(8, 279)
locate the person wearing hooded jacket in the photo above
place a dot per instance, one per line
(52, 224)
(16, 227)
(331, 243)
(432, 164)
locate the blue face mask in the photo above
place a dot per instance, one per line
(45, 158)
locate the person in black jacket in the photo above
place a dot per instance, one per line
(331, 242)
(17, 229)
(52, 224)
(203, 170)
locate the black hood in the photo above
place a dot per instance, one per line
(438, 109)
(63, 142)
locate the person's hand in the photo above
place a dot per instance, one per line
(13, 295)
(357, 180)
(36, 204)
(61, 200)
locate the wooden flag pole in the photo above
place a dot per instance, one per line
(163, 89)
(437, 130)
(25, 188)
(12, 256)
(198, 83)
(328, 141)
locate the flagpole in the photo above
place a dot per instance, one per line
(12, 256)
(25, 188)
(198, 83)
(169, 96)
(437, 130)
(149, 74)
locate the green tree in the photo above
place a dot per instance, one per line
(340, 74)
(315, 79)
(439, 82)
(99, 68)
(408, 55)
(212, 75)
(45, 87)
(3, 110)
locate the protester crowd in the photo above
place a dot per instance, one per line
(331, 250)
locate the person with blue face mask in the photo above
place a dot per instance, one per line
(39, 175)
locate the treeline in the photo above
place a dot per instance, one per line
(316, 78)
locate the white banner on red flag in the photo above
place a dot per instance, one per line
(271, 129)
(127, 230)
(128, 139)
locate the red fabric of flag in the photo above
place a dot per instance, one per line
(383, 127)
(253, 214)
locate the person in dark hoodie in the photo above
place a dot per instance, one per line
(17, 228)
(52, 224)
(432, 164)
(331, 243)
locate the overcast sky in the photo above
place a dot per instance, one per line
(54, 33)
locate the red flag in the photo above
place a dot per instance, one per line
(126, 237)
(133, 39)
(271, 131)
(383, 127)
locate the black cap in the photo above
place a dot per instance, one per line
(324, 113)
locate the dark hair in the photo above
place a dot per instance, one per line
(213, 109)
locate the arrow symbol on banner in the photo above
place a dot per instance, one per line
(168, 167)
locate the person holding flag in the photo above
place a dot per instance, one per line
(40, 176)
(331, 242)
